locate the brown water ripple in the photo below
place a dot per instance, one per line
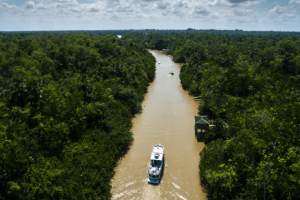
(167, 118)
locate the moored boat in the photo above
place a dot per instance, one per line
(156, 164)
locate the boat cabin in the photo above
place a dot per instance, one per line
(157, 154)
(155, 162)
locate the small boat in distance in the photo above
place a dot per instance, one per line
(156, 164)
(171, 73)
(158, 62)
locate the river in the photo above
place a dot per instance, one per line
(167, 118)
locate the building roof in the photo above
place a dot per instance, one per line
(201, 120)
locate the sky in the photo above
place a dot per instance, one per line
(276, 15)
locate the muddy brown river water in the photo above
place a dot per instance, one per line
(167, 118)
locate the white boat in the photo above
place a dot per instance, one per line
(156, 164)
(158, 62)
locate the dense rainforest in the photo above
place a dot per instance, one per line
(67, 99)
(250, 90)
(169, 31)
(66, 103)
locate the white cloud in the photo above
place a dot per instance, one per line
(213, 11)
(286, 13)
(181, 4)
(29, 5)
(162, 5)
(237, 1)
(5, 6)
(242, 12)
(125, 8)
(201, 11)
(294, 2)
(277, 10)
(94, 9)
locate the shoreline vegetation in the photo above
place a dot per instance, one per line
(236, 32)
(250, 88)
(67, 100)
(66, 104)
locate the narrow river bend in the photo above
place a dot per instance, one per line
(167, 118)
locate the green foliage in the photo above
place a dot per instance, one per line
(66, 103)
(252, 96)
(249, 88)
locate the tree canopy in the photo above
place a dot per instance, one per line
(66, 103)
(250, 90)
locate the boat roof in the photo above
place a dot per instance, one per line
(157, 152)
